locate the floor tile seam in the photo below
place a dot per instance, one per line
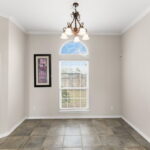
(63, 140)
(81, 138)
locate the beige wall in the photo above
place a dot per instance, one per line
(4, 36)
(104, 92)
(12, 49)
(136, 76)
(16, 78)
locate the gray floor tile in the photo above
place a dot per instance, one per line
(10, 149)
(103, 148)
(45, 123)
(88, 131)
(30, 123)
(25, 131)
(58, 123)
(30, 149)
(53, 141)
(99, 123)
(72, 131)
(56, 130)
(92, 140)
(105, 131)
(135, 148)
(113, 123)
(40, 131)
(14, 142)
(120, 141)
(35, 142)
(73, 122)
(72, 141)
(74, 134)
(111, 141)
(128, 141)
(120, 131)
(2, 140)
(72, 148)
(52, 148)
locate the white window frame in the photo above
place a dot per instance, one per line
(87, 88)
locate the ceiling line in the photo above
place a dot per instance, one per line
(136, 20)
(128, 27)
(56, 33)
(13, 20)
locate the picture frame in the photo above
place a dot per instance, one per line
(42, 70)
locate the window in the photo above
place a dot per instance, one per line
(74, 85)
(74, 48)
(73, 74)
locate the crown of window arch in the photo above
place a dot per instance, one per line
(74, 48)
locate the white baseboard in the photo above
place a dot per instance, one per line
(12, 129)
(137, 129)
(73, 117)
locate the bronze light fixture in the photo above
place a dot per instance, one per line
(75, 28)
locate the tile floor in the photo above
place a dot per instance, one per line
(74, 134)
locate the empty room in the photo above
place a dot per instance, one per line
(74, 74)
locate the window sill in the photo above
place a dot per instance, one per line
(73, 111)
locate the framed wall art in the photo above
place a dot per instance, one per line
(42, 70)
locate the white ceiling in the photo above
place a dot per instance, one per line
(99, 16)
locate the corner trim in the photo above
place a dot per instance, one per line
(137, 129)
(13, 20)
(136, 20)
(12, 129)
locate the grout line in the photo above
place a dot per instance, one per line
(81, 137)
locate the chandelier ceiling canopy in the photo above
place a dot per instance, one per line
(75, 28)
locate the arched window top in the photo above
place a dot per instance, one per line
(74, 48)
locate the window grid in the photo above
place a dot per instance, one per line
(70, 102)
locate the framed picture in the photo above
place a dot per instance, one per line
(42, 70)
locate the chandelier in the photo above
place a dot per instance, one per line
(75, 28)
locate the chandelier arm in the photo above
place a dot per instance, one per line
(75, 25)
(79, 23)
(72, 22)
(78, 16)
